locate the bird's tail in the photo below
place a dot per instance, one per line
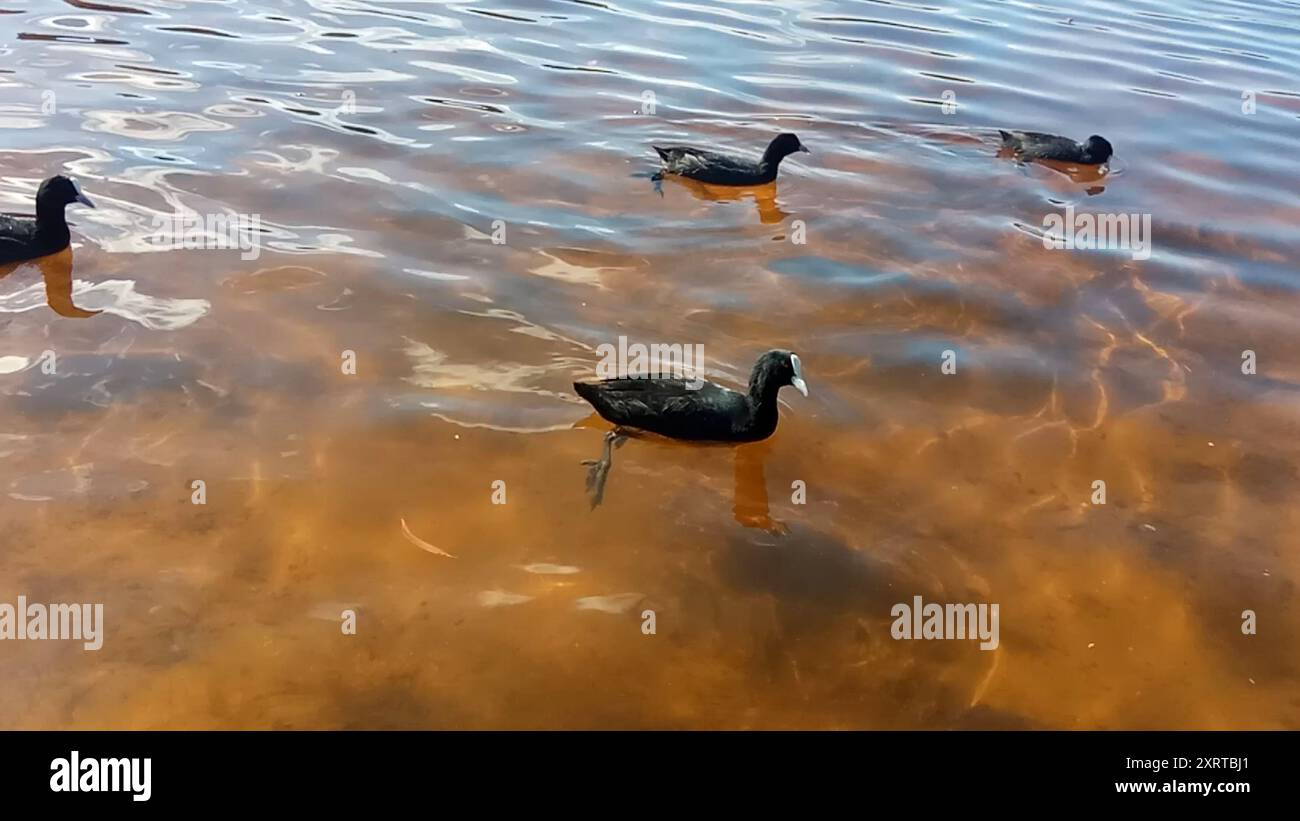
(586, 390)
(1007, 137)
(662, 152)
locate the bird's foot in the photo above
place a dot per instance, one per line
(598, 469)
(777, 528)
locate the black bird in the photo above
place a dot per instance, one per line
(721, 169)
(698, 410)
(1032, 145)
(23, 239)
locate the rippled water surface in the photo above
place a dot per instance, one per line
(458, 194)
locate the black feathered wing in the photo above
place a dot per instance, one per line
(1038, 146)
(669, 407)
(711, 167)
(17, 239)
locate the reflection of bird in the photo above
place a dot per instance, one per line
(1032, 145)
(24, 239)
(764, 196)
(46, 242)
(701, 410)
(56, 270)
(749, 505)
(722, 169)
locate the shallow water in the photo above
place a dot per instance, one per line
(379, 144)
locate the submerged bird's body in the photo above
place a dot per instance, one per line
(713, 168)
(699, 411)
(23, 239)
(1034, 145)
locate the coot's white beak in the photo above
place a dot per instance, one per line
(797, 379)
(82, 198)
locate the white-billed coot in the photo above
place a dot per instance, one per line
(691, 410)
(46, 243)
(23, 239)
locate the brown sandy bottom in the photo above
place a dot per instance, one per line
(482, 220)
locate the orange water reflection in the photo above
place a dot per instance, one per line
(56, 271)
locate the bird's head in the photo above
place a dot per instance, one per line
(780, 368)
(784, 145)
(60, 191)
(1098, 148)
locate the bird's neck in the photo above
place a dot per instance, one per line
(772, 158)
(51, 224)
(762, 396)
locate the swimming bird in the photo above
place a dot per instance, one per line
(1032, 145)
(699, 410)
(23, 239)
(721, 169)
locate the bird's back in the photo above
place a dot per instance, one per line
(712, 167)
(669, 407)
(1039, 146)
(17, 239)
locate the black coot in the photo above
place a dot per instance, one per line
(722, 169)
(1032, 145)
(709, 412)
(23, 239)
